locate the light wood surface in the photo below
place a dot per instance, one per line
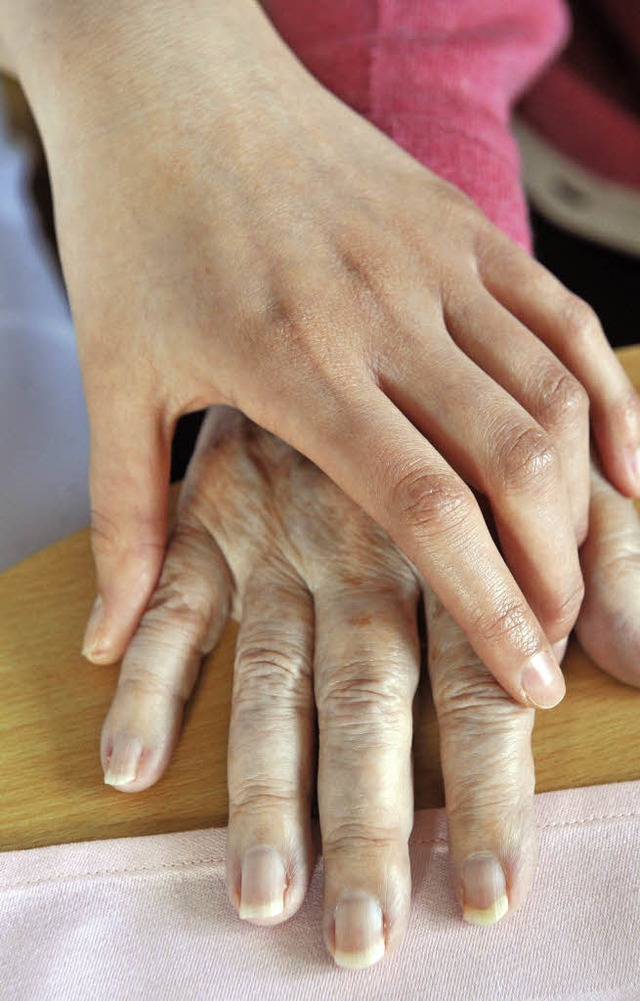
(52, 704)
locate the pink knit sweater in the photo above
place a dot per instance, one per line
(438, 76)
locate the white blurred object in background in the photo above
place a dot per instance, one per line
(43, 422)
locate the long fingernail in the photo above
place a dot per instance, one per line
(359, 931)
(484, 890)
(542, 681)
(263, 883)
(95, 645)
(125, 758)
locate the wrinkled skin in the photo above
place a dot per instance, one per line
(232, 233)
(327, 609)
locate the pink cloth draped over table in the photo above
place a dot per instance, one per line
(147, 919)
(438, 76)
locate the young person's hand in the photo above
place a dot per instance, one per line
(232, 233)
(328, 606)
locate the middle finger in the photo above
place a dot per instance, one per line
(487, 766)
(366, 672)
(497, 447)
(270, 760)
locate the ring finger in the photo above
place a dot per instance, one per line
(487, 766)
(514, 357)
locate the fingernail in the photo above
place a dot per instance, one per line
(123, 763)
(263, 883)
(484, 890)
(94, 646)
(560, 648)
(634, 466)
(359, 931)
(542, 681)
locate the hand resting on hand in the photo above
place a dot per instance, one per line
(327, 607)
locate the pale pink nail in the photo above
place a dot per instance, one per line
(122, 767)
(484, 889)
(262, 886)
(359, 931)
(542, 680)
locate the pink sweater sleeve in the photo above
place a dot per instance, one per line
(438, 76)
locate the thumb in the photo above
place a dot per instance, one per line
(129, 482)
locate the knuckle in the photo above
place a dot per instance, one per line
(112, 541)
(477, 804)
(362, 838)
(105, 536)
(527, 459)
(560, 610)
(511, 625)
(473, 704)
(622, 563)
(141, 682)
(269, 672)
(562, 400)
(255, 795)
(580, 321)
(189, 607)
(365, 703)
(431, 503)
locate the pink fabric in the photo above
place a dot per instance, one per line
(147, 919)
(585, 105)
(438, 76)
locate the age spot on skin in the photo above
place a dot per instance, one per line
(360, 620)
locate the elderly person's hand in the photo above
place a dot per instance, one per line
(328, 622)
(232, 233)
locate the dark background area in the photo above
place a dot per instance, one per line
(608, 280)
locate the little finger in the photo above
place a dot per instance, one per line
(608, 626)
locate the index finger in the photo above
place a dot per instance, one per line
(383, 463)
